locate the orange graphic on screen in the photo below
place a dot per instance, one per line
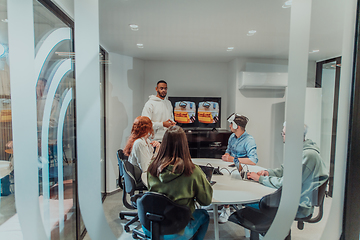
(208, 112)
(184, 112)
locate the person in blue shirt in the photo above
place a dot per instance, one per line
(241, 149)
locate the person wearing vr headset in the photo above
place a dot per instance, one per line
(314, 174)
(241, 149)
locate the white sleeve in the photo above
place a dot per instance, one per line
(144, 178)
(147, 112)
(172, 112)
(143, 155)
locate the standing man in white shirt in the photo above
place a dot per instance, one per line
(160, 111)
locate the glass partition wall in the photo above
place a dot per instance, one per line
(287, 51)
(53, 89)
(7, 196)
(328, 79)
(55, 92)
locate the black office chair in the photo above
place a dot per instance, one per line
(132, 183)
(160, 216)
(120, 157)
(318, 201)
(258, 221)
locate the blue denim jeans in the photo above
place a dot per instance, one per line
(5, 186)
(253, 205)
(198, 226)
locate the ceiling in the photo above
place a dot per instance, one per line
(202, 30)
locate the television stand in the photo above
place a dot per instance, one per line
(210, 143)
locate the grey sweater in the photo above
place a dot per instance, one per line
(314, 173)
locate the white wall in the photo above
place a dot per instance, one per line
(278, 65)
(67, 6)
(131, 81)
(265, 110)
(124, 102)
(189, 79)
(231, 85)
(266, 115)
(313, 108)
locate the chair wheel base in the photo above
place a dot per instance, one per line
(127, 229)
(135, 236)
(121, 216)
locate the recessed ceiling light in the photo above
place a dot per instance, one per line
(251, 33)
(134, 27)
(140, 45)
(5, 20)
(287, 4)
(314, 51)
(229, 49)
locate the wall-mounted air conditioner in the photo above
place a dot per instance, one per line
(260, 80)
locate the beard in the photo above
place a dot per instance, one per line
(163, 95)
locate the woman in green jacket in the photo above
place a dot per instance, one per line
(174, 174)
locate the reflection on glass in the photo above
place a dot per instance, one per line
(56, 130)
(329, 82)
(7, 198)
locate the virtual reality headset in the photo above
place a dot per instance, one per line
(237, 120)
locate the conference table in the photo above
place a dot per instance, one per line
(230, 188)
(5, 168)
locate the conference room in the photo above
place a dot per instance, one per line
(272, 61)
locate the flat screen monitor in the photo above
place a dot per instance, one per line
(197, 112)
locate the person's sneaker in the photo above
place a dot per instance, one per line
(208, 208)
(224, 215)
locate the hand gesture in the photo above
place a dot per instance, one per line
(168, 123)
(253, 175)
(227, 158)
(155, 144)
(263, 173)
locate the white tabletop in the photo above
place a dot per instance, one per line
(4, 168)
(230, 188)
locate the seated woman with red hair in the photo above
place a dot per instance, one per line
(139, 148)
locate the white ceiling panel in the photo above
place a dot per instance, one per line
(202, 30)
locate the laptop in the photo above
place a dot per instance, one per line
(208, 170)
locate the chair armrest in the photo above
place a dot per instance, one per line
(134, 199)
